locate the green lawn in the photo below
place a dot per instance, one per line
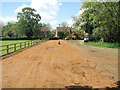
(102, 44)
(11, 42)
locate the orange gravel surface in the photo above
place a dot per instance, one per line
(49, 65)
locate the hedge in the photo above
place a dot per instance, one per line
(21, 38)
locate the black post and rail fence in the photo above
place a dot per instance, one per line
(10, 48)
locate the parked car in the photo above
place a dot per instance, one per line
(86, 39)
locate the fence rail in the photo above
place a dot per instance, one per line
(16, 46)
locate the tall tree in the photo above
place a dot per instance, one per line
(28, 22)
(101, 20)
(44, 25)
(52, 33)
(49, 26)
(64, 25)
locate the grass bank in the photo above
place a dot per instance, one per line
(102, 44)
(6, 42)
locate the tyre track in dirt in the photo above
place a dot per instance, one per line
(51, 65)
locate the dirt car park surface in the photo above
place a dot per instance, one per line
(49, 65)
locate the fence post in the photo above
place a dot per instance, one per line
(7, 49)
(28, 43)
(20, 45)
(15, 47)
(24, 44)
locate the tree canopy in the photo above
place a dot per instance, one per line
(65, 32)
(28, 22)
(64, 24)
(6, 29)
(99, 20)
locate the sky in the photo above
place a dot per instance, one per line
(51, 11)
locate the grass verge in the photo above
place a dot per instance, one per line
(12, 42)
(102, 44)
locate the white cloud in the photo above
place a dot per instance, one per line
(46, 8)
(70, 22)
(54, 23)
(8, 19)
(80, 12)
(60, 4)
(19, 9)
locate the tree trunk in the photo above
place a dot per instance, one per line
(119, 23)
